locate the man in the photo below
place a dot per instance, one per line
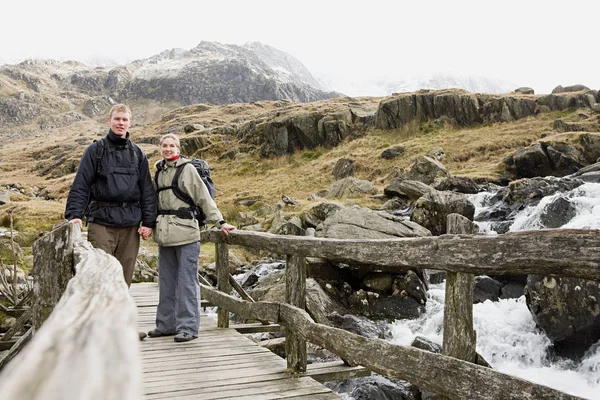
(113, 191)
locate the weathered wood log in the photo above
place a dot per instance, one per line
(88, 348)
(240, 290)
(563, 252)
(295, 294)
(222, 264)
(52, 269)
(16, 348)
(435, 373)
(21, 321)
(459, 340)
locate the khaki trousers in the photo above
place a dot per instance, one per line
(121, 242)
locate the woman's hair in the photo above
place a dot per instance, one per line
(170, 136)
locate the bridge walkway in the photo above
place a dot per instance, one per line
(220, 364)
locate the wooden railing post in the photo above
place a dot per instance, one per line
(52, 269)
(222, 264)
(295, 294)
(459, 337)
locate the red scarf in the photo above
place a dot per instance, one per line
(174, 158)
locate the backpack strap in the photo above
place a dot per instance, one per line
(100, 147)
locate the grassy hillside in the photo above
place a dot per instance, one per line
(42, 162)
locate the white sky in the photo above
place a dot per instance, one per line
(536, 43)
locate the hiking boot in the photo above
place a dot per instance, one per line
(142, 335)
(157, 333)
(183, 337)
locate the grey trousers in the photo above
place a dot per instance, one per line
(179, 290)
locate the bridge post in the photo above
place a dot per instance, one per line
(295, 294)
(52, 269)
(222, 264)
(459, 337)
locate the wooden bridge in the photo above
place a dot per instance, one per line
(88, 347)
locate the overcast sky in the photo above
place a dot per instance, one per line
(533, 43)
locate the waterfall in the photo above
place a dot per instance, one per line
(506, 333)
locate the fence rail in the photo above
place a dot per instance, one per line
(563, 252)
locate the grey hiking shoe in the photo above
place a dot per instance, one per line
(157, 333)
(183, 337)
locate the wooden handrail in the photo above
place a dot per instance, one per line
(561, 252)
(462, 254)
(89, 346)
(436, 373)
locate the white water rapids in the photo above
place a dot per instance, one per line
(506, 334)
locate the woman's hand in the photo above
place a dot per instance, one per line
(225, 228)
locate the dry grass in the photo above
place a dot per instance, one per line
(475, 152)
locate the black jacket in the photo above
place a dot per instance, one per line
(119, 192)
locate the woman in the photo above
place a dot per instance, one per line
(177, 233)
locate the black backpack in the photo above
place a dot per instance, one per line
(193, 211)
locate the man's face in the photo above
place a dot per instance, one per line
(120, 122)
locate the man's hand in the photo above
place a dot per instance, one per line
(77, 221)
(225, 228)
(145, 232)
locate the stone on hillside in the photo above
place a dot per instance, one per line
(566, 309)
(432, 209)
(4, 197)
(528, 162)
(245, 219)
(291, 227)
(437, 153)
(414, 189)
(596, 108)
(343, 168)
(392, 152)
(427, 170)
(363, 115)
(524, 90)
(319, 213)
(361, 223)
(564, 158)
(144, 273)
(460, 184)
(568, 89)
(193, 127)
(352, 188)
(562, 126)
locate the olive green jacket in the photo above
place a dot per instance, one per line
(171, 230)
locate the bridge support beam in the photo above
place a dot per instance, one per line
(222, 264)
(295, 295)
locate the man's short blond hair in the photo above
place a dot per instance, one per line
(120, 108)
(171, 136)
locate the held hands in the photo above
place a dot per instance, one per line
(145, 232)
(225, 228)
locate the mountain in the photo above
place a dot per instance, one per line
(211, 72)
(386, 85)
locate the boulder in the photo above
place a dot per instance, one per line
(566, 309)
(460, 184)
(343, 168)
(431, 210)
(568, 89)
(319, 213)
(4, 197)
(524, 90)
(427, 170)
(411, 189)
(363, 223)
(360, 325)
(352, 188)
(392, 152)
(557, 213)
(486, 288)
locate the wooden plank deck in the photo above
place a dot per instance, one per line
(220, 364)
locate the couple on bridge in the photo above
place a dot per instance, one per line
(113, 191)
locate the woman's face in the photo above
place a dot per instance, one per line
(169, 149)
